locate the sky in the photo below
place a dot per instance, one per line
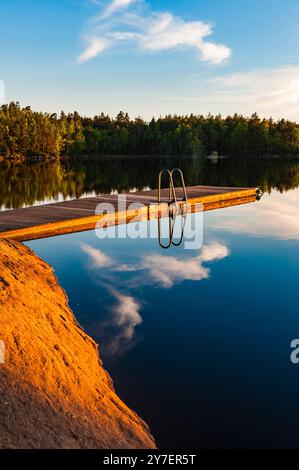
(151, 57)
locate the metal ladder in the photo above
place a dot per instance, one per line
(172, 193)
(172, 222)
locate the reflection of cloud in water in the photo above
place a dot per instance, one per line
(168, 270)
(126, 268)
(276, 216)
(213, 252)
(126, 313)
(125, 317)
(162, 270)
(97, 257)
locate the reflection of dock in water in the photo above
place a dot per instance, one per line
(80, 214)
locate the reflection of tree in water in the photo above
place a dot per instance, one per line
(265, 174)
(26, 183)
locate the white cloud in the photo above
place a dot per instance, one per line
(126, 268)
(167, 270)
(164, 271)
(166, 31)
(214, 53)
(275, 216)
(213, 252)
(267, 87)
(126, 314)
(98, 259)
(95, 45)
(116, 5)
(150, 31)
(161, 269)
(123, 320)
(269, 92)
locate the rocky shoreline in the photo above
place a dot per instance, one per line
(54, 391)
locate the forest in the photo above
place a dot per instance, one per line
(26, 134)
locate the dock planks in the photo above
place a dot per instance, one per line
(78, 215)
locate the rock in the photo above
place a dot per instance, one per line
(54, 391)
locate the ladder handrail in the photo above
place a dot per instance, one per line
(171, 228)
(165, 247)
(172, 192)
(182, 180)
(184, 216)
(159, 182)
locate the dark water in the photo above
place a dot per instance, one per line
(198, 341)
(36, 183)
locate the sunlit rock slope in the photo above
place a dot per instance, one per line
(54, 391)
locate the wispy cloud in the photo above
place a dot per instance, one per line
(121, 322)
(126, 313)
(165, 31)
(150, 31)
(97, 258)
(267, 88)
(277, 217)
(114, 6)
(270, 92)
(94, 46)
(168, 270)
(163, 270)
(213, 252)
(154, 269)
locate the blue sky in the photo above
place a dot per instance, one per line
(152, 57)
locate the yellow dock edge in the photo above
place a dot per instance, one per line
(205, 203)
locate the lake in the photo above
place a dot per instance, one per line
(32, 183)
(196, 341)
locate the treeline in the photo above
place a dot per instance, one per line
(25, 133)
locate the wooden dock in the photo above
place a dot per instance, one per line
(80, 214)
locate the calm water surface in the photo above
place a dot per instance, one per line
(198, 341)
(28, 184)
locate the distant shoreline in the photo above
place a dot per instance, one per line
(31, 134)
(92, 157)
